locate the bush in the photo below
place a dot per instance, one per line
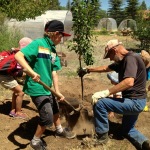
(9, 37)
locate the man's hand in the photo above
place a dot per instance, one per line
(82, 71)
(96, 96)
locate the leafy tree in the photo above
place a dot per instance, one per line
(115, 10)
(22, 9)
(132, 9)
(143, 6)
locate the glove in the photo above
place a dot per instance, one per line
(82, 71)
(96, 96)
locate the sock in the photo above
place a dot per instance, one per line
(59, 129)
(36, 139)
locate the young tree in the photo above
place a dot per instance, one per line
(84, 17)
(132, 9)
(115, 10)
(84, 13)
(22, 9)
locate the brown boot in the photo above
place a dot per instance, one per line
(102, 138)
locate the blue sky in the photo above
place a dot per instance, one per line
(104, 3)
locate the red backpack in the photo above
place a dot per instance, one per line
(8, 62)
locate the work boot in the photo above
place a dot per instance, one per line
(101, 138)
(38, 145)
(67, 134)
(146, 145)
(98, 139)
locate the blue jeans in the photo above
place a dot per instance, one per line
(130, 108)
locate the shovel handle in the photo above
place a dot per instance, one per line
(56, 94)
(48, 88)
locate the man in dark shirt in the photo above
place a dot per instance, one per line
(132, 82)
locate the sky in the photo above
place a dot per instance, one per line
(104, 3)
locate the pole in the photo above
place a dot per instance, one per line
(82, 88)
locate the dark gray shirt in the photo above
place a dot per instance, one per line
(132, 66)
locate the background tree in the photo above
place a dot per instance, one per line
(22, 9)
(95, 11)
(68, 6)
(143, 6)
(132, 9)
(115, 11)
(102, 13)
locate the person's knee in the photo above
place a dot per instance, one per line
(99, 103)
(20, 93)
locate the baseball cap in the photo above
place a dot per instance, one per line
(113, 76)
(24, 42)
(55, 25)
(111, 44)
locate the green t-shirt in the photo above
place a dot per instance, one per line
(41, 56)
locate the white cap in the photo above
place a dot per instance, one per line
(110, 45)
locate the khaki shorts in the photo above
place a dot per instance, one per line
(8, 81)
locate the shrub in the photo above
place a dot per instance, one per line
(9, 37)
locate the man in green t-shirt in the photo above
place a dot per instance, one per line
(43, 63)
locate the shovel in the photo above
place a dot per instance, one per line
(53, 92)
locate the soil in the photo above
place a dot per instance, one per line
(17, 133)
